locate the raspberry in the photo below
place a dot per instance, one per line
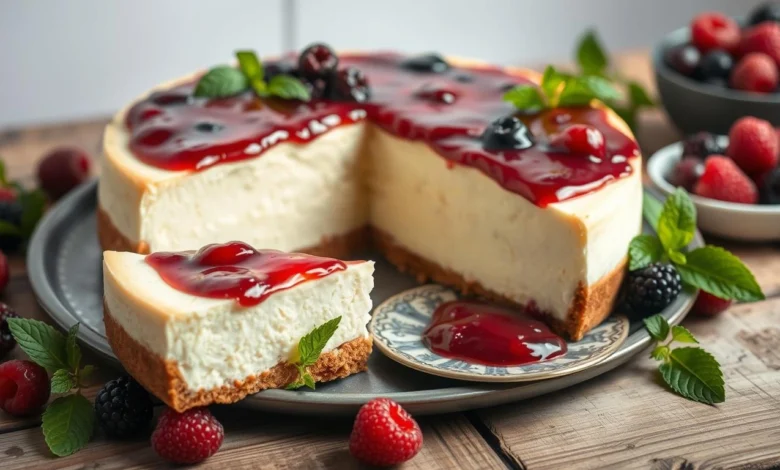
(709, 305)
(7, 341)
(8, 195)
(24, 387)
(189, 437)
(755, 72)
(724, 181)
(581, 139)
(764, 38)
(714, 30)
(62, 170)
(651, 289)
(123, 408)
(753, 145)
(687, 172)
(384, 434)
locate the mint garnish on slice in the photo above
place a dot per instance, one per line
(690, 371)
(309, 349)
(223, 81)
(69, 420)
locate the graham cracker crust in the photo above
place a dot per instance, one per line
(162, 377)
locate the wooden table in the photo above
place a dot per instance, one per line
(622, 419)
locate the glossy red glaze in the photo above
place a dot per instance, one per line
(485, 334)
(237, 271)
(448, 111)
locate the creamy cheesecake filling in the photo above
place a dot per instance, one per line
(215, 342)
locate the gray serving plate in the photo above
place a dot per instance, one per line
(64, 265)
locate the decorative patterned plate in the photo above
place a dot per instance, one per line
(63, 264)
(399, 322)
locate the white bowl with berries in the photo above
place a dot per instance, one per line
(734, 180)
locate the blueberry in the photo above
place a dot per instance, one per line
(767, 12)
(350, 84)
(684, 59)
(715, 64)
(317, 61)
(770, 187)
(507, 133)
(432, 63)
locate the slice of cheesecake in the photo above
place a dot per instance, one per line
(216, 325)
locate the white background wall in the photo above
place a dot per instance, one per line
(81, 58)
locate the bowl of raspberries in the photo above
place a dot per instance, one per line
(734, 179)
(719, 69)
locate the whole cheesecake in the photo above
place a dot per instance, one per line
(405, 168)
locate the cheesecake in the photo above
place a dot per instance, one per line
(213, 325)
(404, 164)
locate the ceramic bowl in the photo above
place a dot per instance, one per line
(746, 222)
(695, 106)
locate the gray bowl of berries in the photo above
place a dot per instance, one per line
(719, 69)
(734, 180)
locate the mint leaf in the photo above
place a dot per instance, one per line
(221, 82)
(681, 334)
(288, 88)
(660, 353)
(308, 380)
(676, 257)
(44, 344)
(62, 381)
(715, 270)
(72, 349)
(7, 228)
(33, 205)
(67, 424)
(590, 54)
(657, 326)
(651, 209)
(552, 80)
(85, 373)
(311, 345)
(250, 64)
(579, 91)
(526, 98)
(677, 222)
(260, 88)
(643, 250)
(638, 96)
(695, 374)
(3, 177)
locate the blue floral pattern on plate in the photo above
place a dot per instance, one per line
(398, 324)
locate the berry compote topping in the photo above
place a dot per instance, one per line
(420, 98)
(237, 271)
(484, 334)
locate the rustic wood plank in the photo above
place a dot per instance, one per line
(255, 439)
(624, 420)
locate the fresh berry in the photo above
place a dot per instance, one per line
(581, 139)
(716, 64)
(769, 11)
(24, 387)
(764, 38)
(507, 133)
(10, 213)
(384, 434)
(350, 84)
(713, 30)
(123, 408)
(702, 145)
(769, 187)
(684, 59)
(189, 437)
(7, 341)
(62, 170)
(651, 289)
(753, 145)
(317, 61)
(8, 195)
(687, 172)
(709, 305)
(755, 72)
(723, 180)
(318, 87)
(432, 63)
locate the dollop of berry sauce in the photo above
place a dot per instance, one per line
(237, 271)
(479, 333)
(173, 130)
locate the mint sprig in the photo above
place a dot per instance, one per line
(560, 89)
(69, 420)
(690, 371)
(224, 81)
(709, 268)
(309, 349)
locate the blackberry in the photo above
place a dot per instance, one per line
(7, 341)
(702, 145)
(715, 65)
(769, 11)
(123, 407)
(651, 289)
(11, 213)
(507, 133)
(350, 84)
